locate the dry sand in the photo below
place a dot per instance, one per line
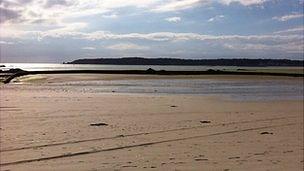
(49, 129)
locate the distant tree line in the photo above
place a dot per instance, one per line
(190, 62)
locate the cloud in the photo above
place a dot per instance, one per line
(290, 43)
(243, 2)
(176, 5)
(56, 3)
(292, 47)
(14, 3)
(54, 12)
(216, 18)
(173, 19)
(69, 30)
(8, 14)
(126, 46)
(111, 16)
(72, 31)
(88, 48)
(299, 30)
(6, 43)
(289, 17)
(77, 20)
(280, 43)
(171, 36)
(59, 11)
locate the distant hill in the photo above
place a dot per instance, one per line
(197, 62)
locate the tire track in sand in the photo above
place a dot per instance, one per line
(141, 144)
(145, 133)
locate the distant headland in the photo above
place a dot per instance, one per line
(190, 62)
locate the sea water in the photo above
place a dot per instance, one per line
(238, 89)
(52, 66)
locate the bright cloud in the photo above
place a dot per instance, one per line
(216, 18)
(298, 30)
(288, 17)
(126, 47)
(156, 36)
(112, 16)
(173, 19)
(177, 5)
(88, 48)
(6, 43)
(244, 2)
(293, 47)
(56, 11)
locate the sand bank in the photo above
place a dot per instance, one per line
(54, 78)
(18, 73)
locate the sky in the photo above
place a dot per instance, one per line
(57, 31)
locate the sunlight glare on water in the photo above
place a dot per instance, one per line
(53, 66)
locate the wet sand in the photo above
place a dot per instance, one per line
(60, 129)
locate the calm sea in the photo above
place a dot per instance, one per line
(50, 66)
(239, 89)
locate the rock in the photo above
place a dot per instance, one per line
(233, 157)
(205, 121)
(150, 70)
(14, 70)
(200, 159)
(173, 106)
(210, 70)
(263, 133)
(99, 124)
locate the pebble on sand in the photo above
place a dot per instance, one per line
(263, 133)
(205, 121)
(99, 124)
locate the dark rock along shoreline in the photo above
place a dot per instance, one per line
(13, 73)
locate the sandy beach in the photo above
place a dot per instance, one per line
(57, 128)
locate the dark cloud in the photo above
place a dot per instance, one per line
(51, 3)
(43, 21)
(8, 14)
(25, 1)
(33, 14)
(6, 3)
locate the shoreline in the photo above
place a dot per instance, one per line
(198, 85)
(150, 72)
